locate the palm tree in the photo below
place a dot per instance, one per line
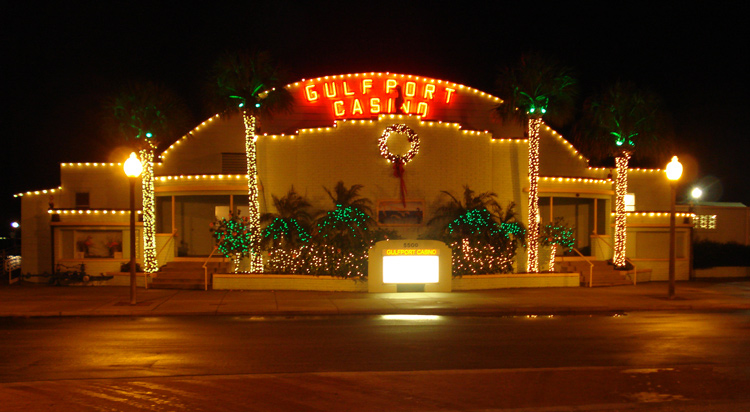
(615, 122)
(483, 236)
(343, 197)
(290, 225)
(250, 84)
(146, 114)
(456, 210)
(537, 87)
(347, 225)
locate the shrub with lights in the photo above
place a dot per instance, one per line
(482, 236)
(555, 235)
(336, 244)
(287, 232)
(233, 238)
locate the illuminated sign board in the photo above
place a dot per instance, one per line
(411, 265)
(369, 95)
(397, 265)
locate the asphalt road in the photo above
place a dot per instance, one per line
(642, 361)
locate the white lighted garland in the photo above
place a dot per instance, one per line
(410, 135)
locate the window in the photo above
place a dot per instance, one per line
(630, 202)
(97, 244)
(82, 200)
(705, 222)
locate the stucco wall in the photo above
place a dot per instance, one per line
(36, 236)
(106, 184)
(448, 159)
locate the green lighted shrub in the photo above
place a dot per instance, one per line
(233, 238)
(710, 254)
(335, 244)
(482, 236)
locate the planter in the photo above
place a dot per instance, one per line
(223, 281)
(522, 280)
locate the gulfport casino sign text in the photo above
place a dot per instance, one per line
(369, 95)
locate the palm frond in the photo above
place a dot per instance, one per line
(538, 86)
(249, 81)
(623, 118)
(144, 114)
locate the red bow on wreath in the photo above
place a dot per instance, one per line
(398, 171)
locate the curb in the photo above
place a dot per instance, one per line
(538, 311)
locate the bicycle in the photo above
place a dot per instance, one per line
(65, 275)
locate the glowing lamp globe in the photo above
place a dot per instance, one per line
(674, 169)
(133, 166)
(696, 193)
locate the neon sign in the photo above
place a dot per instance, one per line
(370, 95)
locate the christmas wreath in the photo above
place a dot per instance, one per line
(399, 160)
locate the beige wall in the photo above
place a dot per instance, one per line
(36, 236)
(106, 184)
(447, 160)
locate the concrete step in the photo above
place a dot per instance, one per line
(180, 275)
(184, 275)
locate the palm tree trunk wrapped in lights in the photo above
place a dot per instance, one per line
(150, 264)
(532, 235)
(256, 263)
(621, 189)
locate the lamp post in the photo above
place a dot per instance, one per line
(674, 171)
(695, 196)
(133, 168)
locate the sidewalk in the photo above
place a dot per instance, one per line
(30, 300)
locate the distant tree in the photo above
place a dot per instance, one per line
(144, 114)
(250, 84)
(617, 122)
(536, 87)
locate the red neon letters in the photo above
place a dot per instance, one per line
(364, 97)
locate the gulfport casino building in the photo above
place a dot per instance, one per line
(333, 135)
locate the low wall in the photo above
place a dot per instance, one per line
(524, 280)
(286, 282)
(333, 284)
(660, 269)
(723, 272)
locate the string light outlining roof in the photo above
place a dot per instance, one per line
(38, 192)
(90, 212)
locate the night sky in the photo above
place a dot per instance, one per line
(61, 60)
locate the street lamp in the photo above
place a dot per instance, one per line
(696, 193)
(133, 169)
(695, 196)
(674, 171)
